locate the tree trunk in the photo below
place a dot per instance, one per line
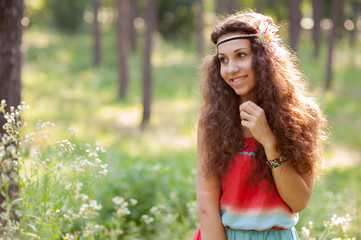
(232, 6)
(220, 7)
(11, 14)
(96, 33)
(356, 9)
(294, 19)
(317, 16)
(275, 4)
(259, 6)
(123, 43)
(132, 16)
(199, 27)
(151, 14)
(335, 16)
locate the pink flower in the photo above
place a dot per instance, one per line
(267, 34)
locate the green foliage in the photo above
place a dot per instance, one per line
(67, 15)
(156, 168)
(176, 18)
(49, 176)
(333, 210)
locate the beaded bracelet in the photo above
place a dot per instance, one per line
(276, 162)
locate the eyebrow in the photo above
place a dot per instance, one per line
(234, 50)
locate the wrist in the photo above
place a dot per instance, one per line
(270, 145)
(271, 148)
(276, 162)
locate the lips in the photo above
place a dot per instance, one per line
(235, 80)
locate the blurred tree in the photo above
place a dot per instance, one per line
(316, 33)
(226, 6)
(280, 9)
(132, 16)
(356, 6)
(11, 14)
(219, 7)
(295, 16)
(199, 27)
(176, 18)
(336, 13)
(67, 14)
(96, 33)
(232, 6)
(150, 19)
(259, 6)
(123, 45)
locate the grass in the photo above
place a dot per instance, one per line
(157, 166)
(335, 194)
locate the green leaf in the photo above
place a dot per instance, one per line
(32, 227)
(31, 235)
(42, 223)
(18, 200)
(32, 216)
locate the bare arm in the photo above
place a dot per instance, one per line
(294, 189)
(208, 196)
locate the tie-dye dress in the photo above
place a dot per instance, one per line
(253, 211)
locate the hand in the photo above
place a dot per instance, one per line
(253, 117)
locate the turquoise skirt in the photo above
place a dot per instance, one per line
(289, 234)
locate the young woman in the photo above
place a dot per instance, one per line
(259, 135)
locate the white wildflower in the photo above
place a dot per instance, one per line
(59, 166)
(12, 149)
(118, 200)
(122, 211)
(133, 201)
(84, 197)
(69, 236)
(68, 186)
(147, 219)
(83, 208)
(305, 232)
(73, 130)
(78, 186)
(95, 205)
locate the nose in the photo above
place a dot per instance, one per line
(232, 67)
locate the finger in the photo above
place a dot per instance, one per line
(247, 124)
(249, 106)
(246, 116)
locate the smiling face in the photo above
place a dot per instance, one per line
(236, 66)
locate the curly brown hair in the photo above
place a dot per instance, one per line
(281, 91)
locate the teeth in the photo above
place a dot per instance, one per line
(238, 79)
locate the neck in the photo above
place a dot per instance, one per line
(246, 98)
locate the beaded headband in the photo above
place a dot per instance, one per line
(265, 35)
(239, 36)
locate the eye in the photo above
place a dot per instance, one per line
(242, 55)
(223, 59)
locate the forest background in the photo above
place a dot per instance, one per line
(109, 150)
